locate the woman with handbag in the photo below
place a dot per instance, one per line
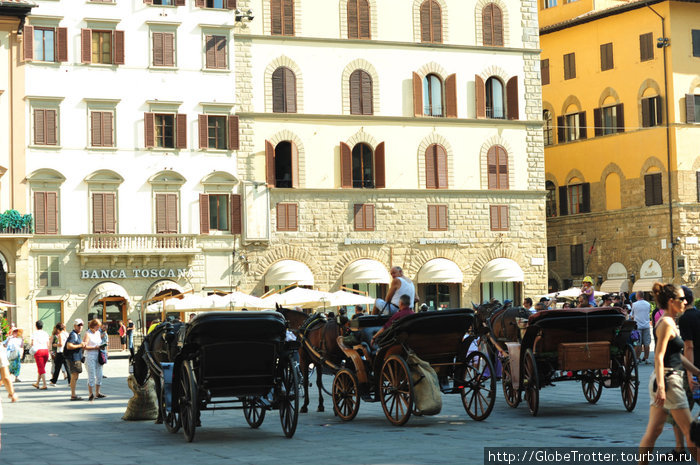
(15, 347)
(93, 343)
(41, 345)
(59, 341)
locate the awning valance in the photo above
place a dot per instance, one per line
(646, 284)
(440, 270)
(502, 270)
(366, 271)
(107, 289)
(612, 286)
(286, 272)
(160, 286)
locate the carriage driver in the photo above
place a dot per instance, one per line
(405, 302)
(400, 285)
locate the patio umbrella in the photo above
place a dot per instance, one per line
(237, 300)
(307, 298)
(569, 294)
(344, 298)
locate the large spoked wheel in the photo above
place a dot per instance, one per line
(396, 390)
(253, 411)
(346, 395)
(479, 391)
(630, 379)
(511, 394)
(289, 398)
(531, 383)
(189, 409)
(592, 386)
(170, 419)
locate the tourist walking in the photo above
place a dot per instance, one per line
(40, 347)
(73, 354)
(93, 344)
(60, 335)
(130, 336)
(122, 334)
(15, 347)
(5, 377)
(640, 314)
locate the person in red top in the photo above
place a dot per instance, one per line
(122, 335)
(404, 311)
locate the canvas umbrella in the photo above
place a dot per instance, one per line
(298, 296)
(344, 298)
(238, 300)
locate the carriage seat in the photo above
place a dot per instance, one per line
(237, 326)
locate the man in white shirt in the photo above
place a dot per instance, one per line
(400, 285)
(640, 314)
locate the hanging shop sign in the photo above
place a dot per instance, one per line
(137, 273)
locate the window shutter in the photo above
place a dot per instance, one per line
(295, 165)
(658, 189)
(203, 214)
(86, 45)
(96, 130)
(355, 91)
(221, 52)
(231, 4)
(379, 168)
(359, 218)
(234, 139)
(171, 209)
(367, 94)
(51, 213)
(502, 168)
(512, 98)
(203, 123)
(417, 95)
(487, 24)
(179, 2)
(275, 17)
(648, 190)
(430, 165)
(157, 49)
(149, 130)
(181, 131)
(544, 71)
(657, 105)
(281, 217)
(28, 43)
(98, 219)
(364, 18)
(288, 24)
(40, 212)
(210, 54)
(492, 163)
(586, 192)
(39, 127)
(292, 217)
(646, 112)
(598, 120)
(269, 164)
(480, 95)
(563, 201)
(236, 214)
(441, 167)
(369, 217)
(118, 37)
(442, 217)
(503, 220)
(160, 214)
(425, 22)
(561, 129)
(436, 21)
(690, 108)
(148, 2)
(278, 98)
(493, 210)
(353, 27)
(110, 223)
(168, 49)
(50, 127)
(290, 90)
(451, 96)
(497, 26)
(582, 128)
(107, 129)
(345, 166)
(61, 44)
(432, 217)
(620, 117)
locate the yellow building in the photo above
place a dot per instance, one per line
(614, 142)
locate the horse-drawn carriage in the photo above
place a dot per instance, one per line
(222, 360)
(438, 338)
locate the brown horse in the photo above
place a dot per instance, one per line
(499, 325)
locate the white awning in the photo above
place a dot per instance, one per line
(160, 286)
(366, 271)
(107, 289)
(502, 270)
(612, 286)
(646, 284)
(286, 272)
(440, 270)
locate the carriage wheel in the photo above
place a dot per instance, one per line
(396, 390)
(346, 395)
(531, 383)
(630, 379)
(592, 386)
(189, 410)
(289, 398)
(171, 419)
(479, 391)
(253, 411)
(512, 395)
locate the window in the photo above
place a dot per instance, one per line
(48, 270)
(219, 4)
(575, 198)
(495, 107)
(165, 130)
(646, 47)
(284, 91)
(103, 213)
(548, 128)
(692, 108)
(497, 161)
(166, 213)
(358, 19)
(576, 259)
(44, 44)
(696, 42)
(435, 167)
(651, 112)
(492, 23)
(102, 46)
(282, 17)
(432, 96)
(216, 52)
(282, 163)
(544, 71)
(220, 212)
(499, 218)
(362, 167)
(571, 127)
(437, 217)
(162, 2)
(551, 199)
(49, 44)
(431, 22)
(549, 3)
(606, 57)
(45, 213)
(218, 132)
(361, 98)
(569, 66)
(552, 254)
(609, 120)
(653, 194)
(101, 128)
(163, 48)
(45, 126)
(287, 217)
(364, 217)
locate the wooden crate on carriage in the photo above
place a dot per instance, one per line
(576, 356)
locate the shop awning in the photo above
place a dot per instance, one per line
(366, 271)
(645, 284)
(502, 270)
(612, 286)
(107, 289)
(440, 270)
(286, 272)
(160, 286)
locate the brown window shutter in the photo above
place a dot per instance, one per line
(203, 214)
(276, 17)
(359, 217)
(171, 208)
(39, 127)
(480, 96)
(203, 123)
(620, 117)
(231, 4)
(221, 48)
(98, 218)
(369, 217)
(563, 201)
(157, 49)
(492, 164)
(148, 2)
(295, 165)
(425, 22)
(96, 129)
(118, 47)
(544, 71)
(292, 217)
(269, 164)
(353, 26)
(441, 167)
(236, 214)
(290, 90)
(417, 95)
(504, 223)
(442, 217)
(110, 213)
(648, 190)
(451, 96)
(86, 45)
(436, 21)
(657, 104)
(497, 26)
(51, 213)
(51, 127)
(502, 168)
(160, 213)
(432, 217)
(493, 209)
(40, 212)
(149, 130)
(367, 94)
(210, 53)
(512, 98)
(179, 2)
(278, 98)
(689, 108)
(586, 194)
(598, 121)
(583, 128)
(379, 167)
(168, 49)
(199, 3)
(487, 24)
(61, 44)
(431, 167)
(345, 166)
(281, 217)
(234, 139)
(288, 19)
(365, 19)
(107, 129)
(646, 112)
(356, 92)
(28, 43)
(181, 131)
(561, 129)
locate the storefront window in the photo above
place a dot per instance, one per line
(501, 291)
(439, 296)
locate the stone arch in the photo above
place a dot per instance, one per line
(432, 68)
(283, 252)
(364, 65)
(287, 135)
(651, 162)
(379, 254)
(435, 138)
(267, 29)
(574, 173)
(372, 19)
(287, 62)
(608, 92)
(555, 276)
(362, 136)
(416, 20)
(550, 177)
(425, 255)
(496, 71)
(548, 106)
(490, 142)
(611, 168)
(571, 100)
(479, 8)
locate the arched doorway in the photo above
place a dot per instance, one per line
(152, 304)
(109, 302)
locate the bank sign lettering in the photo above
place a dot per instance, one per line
(137, 273)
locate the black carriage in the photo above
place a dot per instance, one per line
(227, 360)
(437, 337)
(589, 345)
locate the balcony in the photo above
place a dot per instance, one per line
(25, 232)
(13, 224)
(114, 245)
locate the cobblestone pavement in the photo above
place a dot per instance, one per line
(44, 427)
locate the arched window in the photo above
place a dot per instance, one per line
(358, 19)
(494, 99)
(548, 128)
(283, 164)
(432, 96)
(497, 160)
(431, 22)
(492, 21)
(436, 167)
(362, 166)
(361, 98)
(282, 17)
(284, 91)
(551, 200)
